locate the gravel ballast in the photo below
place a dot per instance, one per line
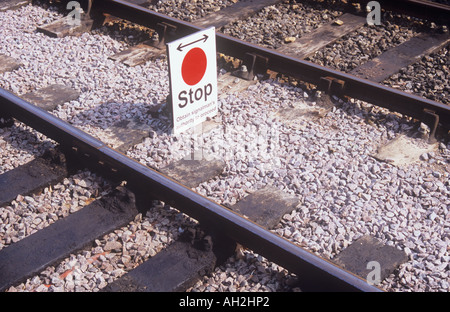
(289, 19)
(189, 10)
(326, 162)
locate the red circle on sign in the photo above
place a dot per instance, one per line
(194, 66)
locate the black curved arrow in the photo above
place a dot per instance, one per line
(180, 47)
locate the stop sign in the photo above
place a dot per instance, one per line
(193, 79)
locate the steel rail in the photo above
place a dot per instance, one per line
(428, 111)
(320, 274)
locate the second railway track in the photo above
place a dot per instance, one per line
(326, 158)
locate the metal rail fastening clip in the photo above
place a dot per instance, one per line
(252, 64)
(163, 33)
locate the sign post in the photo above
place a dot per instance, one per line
(193, 79)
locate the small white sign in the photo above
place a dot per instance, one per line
(193, 79)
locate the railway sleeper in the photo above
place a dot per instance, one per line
(13, 4)
(79, 230)
(33, 176)
(8, 63)
(48, 98)
(64, 27)
(177, 267)
(370, 259)
(79, 20)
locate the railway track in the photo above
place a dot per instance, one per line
(141, 183)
